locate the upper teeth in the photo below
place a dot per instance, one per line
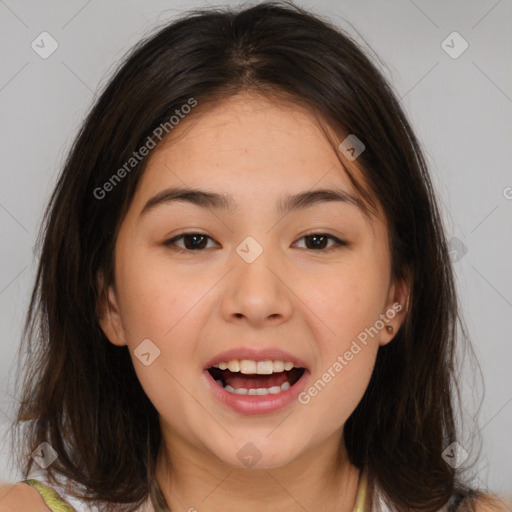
(259, 367)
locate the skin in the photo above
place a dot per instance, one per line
(307, 302)
(310, 302)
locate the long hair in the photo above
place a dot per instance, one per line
(81, 393)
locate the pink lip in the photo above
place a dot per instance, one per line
(254, 404)
(255, 355)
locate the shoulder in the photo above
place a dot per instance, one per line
(20, 496)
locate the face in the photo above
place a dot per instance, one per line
(209, 283)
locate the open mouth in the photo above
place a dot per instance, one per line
(256, 377)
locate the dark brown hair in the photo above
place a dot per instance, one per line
(81, 393)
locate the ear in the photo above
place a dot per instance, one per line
(109, 316)
(396, 308)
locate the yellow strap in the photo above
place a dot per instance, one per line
(361, 494)
(51, 497)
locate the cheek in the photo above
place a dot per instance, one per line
(167, 307)
(347, 362)
(351, 382)
(159, 306)
(348, 299)
(333, 394)
(154, 298)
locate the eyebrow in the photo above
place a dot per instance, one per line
(217, 201)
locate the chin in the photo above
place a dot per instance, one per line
(259, 453)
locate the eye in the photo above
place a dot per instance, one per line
(318, 240)
(198, 241)
(192, 241)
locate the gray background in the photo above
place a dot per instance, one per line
(461, 109)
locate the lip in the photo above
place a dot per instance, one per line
(255, 404)
(256, 355)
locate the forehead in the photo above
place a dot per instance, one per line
(254, 150)
(248, 137)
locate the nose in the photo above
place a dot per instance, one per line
(257, 293)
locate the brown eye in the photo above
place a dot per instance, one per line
(318, 241)
(199, 241)
(191, 241)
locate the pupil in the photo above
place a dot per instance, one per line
(195, 237)
(316, 237)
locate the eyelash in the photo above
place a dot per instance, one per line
(171, 242)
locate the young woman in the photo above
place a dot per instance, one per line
(244, 299)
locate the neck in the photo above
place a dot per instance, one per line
(195, 480)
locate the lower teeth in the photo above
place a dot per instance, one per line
(274, 390)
